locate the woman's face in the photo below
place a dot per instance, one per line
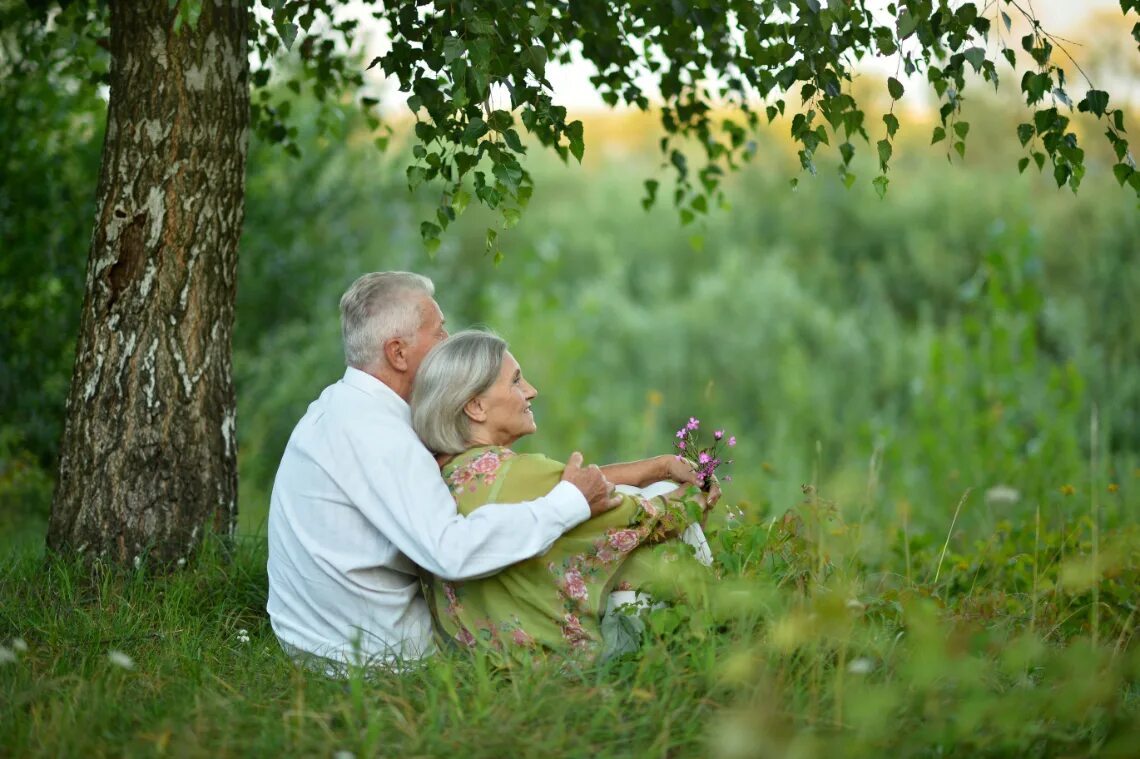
(503, 412)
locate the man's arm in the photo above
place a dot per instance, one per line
(400, 490)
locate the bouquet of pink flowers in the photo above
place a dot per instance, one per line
(706, 457)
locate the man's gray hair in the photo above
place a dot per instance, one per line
(378, 307)
(457, 370)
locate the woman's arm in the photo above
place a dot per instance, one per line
(641, 473)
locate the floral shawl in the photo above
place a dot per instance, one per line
(553, 601)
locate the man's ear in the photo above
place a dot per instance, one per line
(475, 411)
(396, 353)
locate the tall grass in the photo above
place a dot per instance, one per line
(794, 646)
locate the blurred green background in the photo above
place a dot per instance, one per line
(974, 329)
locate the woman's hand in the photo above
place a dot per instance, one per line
(679, 470)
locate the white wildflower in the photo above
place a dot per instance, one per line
(137, 562)
(181, 562)
(342, 754)
(119, 659)
(19, 646)
(7, 655)
(1002, 494)
(860, 666)
(243, 635)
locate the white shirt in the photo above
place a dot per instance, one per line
(357, 503)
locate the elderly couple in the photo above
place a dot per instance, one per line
(398, 502)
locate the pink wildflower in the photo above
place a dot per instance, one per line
(732, 441)
(718, 434)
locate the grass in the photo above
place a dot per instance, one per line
(809, 644)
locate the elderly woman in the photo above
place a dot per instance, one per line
(470, 402)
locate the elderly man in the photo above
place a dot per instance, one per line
(358, 501)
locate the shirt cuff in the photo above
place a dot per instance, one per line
(570, 505)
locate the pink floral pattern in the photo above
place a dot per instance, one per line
(624, 540)
(574, 584)
(480, 471)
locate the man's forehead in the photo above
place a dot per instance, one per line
(431, 308)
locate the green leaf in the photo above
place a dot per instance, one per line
(460, 200)
(511, 137)
(960, 147)
(475, 129)
(880, 184)
(962, 128)
(895, 88)
(288, 34)
(453, 48)
(1122, 172)
(1061, 173)
(1022, 165)
(907, 24)
(416, 177)
(847, 151)
(1095, 101)
(938, 135)
(1025, 133)
(892, 123)
(885, 151)
(650, 198)
(535, 59)
(976, 57)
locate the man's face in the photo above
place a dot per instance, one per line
(430, 334)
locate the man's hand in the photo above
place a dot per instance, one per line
(593, 484)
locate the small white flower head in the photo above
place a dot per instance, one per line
(342, 754)
(19, 646)
(860, 666)
(7, 655)
(137, 561)
(119, 659)
(1002, 494)
(181, 562)
(243, 635)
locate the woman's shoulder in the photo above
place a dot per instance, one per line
(483, 465)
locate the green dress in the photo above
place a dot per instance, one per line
(554, 601)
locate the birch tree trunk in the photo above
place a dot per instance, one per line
(148, 459)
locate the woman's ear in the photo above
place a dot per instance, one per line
(475, 411)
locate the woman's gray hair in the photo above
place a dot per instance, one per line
(378, 307)
(460, 368)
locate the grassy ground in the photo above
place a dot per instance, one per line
(1016, 644)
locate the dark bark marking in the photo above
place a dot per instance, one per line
(128, 268)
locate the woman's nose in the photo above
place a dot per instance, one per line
(530, 390)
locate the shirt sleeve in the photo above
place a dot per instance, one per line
(398, 488)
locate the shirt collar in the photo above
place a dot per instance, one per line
(365, 382)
